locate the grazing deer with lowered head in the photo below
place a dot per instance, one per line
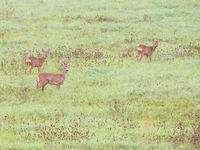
(50, 78)
(36, 62)
(146, 50)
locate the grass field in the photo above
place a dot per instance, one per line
(108, 100)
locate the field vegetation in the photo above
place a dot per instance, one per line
(108, 100)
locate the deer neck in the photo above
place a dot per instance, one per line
(154, 47)
(43, 58)
(65, 73)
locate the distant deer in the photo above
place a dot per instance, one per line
(50, 78)
(36, 62)
(146, 50)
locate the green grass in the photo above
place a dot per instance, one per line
(108, 100)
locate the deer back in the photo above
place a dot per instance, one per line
(51, 78)
(145, 49)
(141, 47)
(38, 62)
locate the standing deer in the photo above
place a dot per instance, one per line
(50, 78)
(36, 62)
(146, 50)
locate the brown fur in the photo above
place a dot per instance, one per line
(146, 50)
(50, 78)
(36, 62)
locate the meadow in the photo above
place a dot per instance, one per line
(108, 99)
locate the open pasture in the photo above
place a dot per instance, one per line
(108, 99)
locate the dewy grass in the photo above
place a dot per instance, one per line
(108, 100)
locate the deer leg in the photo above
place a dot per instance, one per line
(38, 85)
(26, 68)
(138, 55)
(150, 58)
(58, 86)
(141, 56)
(31, 69)
(39, 68)
(147, 58)
(43, 87)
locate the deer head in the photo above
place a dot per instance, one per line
(65, 67)
(45, 53)
(155, 43)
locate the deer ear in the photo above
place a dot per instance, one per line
(64, 62)
(42, 50)
(48, 50)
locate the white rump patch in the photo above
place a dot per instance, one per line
(28, 60)
(139, 49)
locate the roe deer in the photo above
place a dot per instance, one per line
(50, 78)
(36, 62)
(146, 50)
